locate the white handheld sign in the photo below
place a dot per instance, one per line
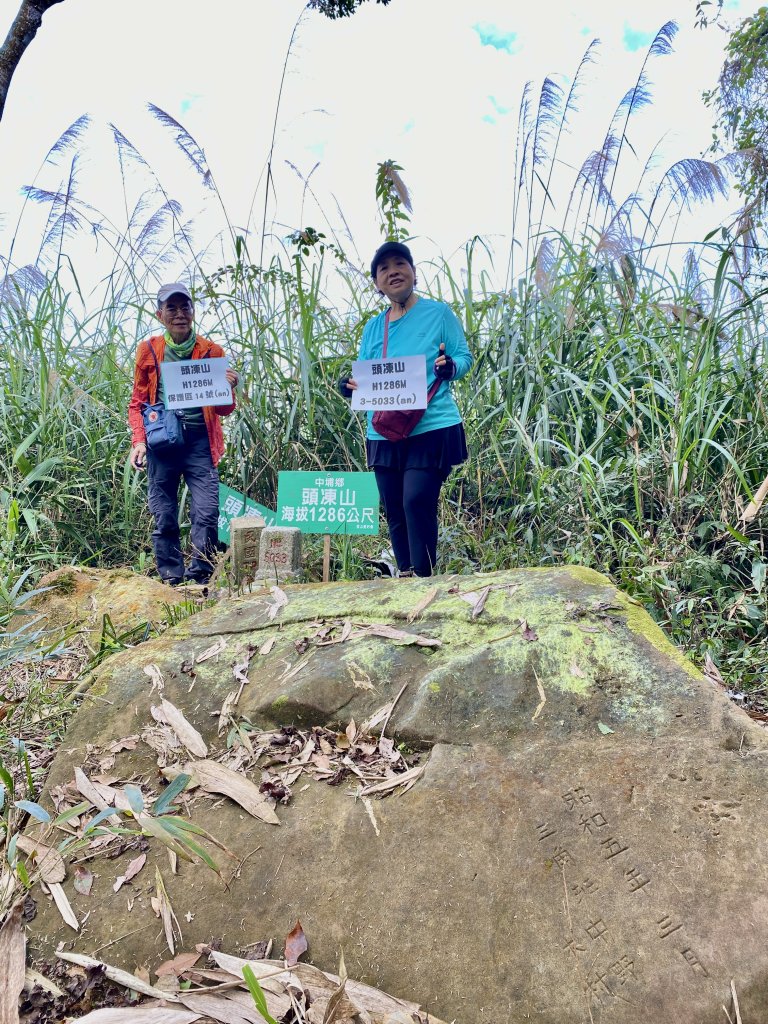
(192, 383)
(398, 382)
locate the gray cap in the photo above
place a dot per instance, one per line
(176, 288)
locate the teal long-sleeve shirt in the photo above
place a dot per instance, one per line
(421, 331)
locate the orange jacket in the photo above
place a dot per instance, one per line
(145, 387)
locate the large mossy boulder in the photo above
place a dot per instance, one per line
(587, 842)
(86, 599)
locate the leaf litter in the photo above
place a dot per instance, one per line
(274, 759)
(296, 991)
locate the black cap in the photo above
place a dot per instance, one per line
(385, 250)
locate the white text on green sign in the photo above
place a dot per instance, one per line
(346, 503)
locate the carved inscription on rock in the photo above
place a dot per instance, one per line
(617, 917)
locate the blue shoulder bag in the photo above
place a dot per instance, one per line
(163, 427)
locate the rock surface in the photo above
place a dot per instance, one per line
(82, 597)
(587, 842)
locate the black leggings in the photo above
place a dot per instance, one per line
(410, 504)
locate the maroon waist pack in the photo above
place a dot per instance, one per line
(395, 424)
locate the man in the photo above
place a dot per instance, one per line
(195, 459)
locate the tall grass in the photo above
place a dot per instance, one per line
(615, 414)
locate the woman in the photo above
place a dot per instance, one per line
(410, 472)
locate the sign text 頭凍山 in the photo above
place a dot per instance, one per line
(397, 383)
(192, 383)
(328, 502)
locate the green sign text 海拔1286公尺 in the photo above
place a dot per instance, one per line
(327, 502)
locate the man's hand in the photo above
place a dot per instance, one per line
(139, 456)
(232, 379)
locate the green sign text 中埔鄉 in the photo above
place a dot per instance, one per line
(326, 502)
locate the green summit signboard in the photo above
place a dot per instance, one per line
(233, 504)
(325, 502)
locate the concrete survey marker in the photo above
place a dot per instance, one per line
(245, 542)
(587, 842)
(279, 553)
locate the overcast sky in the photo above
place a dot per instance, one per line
(433, 84)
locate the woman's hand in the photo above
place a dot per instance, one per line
(232, 379)
(445, 368)
(347, 385)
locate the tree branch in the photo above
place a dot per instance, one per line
(20, 35)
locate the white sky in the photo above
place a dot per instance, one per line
(418, 81)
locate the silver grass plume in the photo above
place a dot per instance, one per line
(594, 170)
(18, 285)
(616, 241)
(544, 270)
(169, 210)
(692, 181)
(548, 116)
(70, 136)
(186, 143)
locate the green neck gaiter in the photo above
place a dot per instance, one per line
(182, 350)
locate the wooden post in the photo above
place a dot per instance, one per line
(326, 557)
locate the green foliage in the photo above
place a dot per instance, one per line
(393, 200)
(257, 994)
(740, 103)
(339, 8)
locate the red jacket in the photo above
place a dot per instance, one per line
(145, 387)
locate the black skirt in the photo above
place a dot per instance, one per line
(437, 450)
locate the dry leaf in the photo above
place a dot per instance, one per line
(216, 778)
(712, 673)
(181, 963)
(112, 797)
(340, 1007)
(529, 633)
(131, 871)
(162, 907)
(400, 636)
(63, 906)
(119, 977)
(398, 780)
(281, 600)
(752, 509)
(83, 880)
(87, 789)
(423, 604)
(228, 1009)
(212, 651)
(156, 676)
(129, 743)
(477, 599)
(295, 944)
(48, 861)
(187, 733)
(267, 646)
(34, 978)
(229, 705)
(240, 670)
(137, 1015)
(13, 952)
(577, 671)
